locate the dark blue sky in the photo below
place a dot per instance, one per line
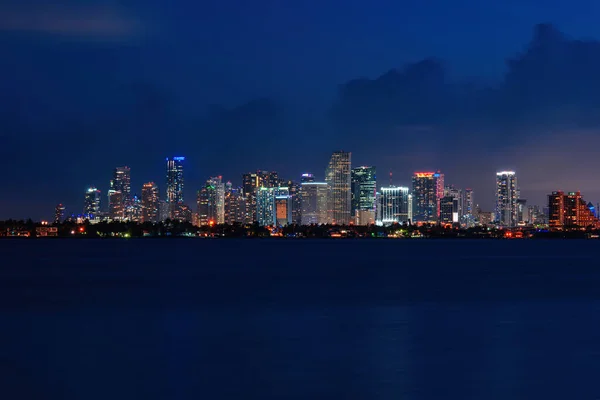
(88, 86)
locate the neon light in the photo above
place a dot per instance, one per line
(424, 174)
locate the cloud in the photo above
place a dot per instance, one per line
(68, 20)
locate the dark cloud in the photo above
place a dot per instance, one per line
(71, 19)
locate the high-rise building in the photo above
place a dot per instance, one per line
(283, 206)
(338, 177)
(395, 205)
(364, 187)
(59, 213)
(428, 190)
(251, 182)
(235, 205)
(265, 206)
(211, 202)
(314, 203)
(121, 182)
(175, 183)
(450, 209)
(522, 212)
(307, 178)
(91, 204)
(116, 205)
(295, 202)
(469, 206)
(506, 198)
(569, 211)
(164, 211)
(150, 202)
(134, 209)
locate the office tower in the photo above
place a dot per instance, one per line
(91, 204)
(121, 182)
(394, 204)
(59, 213)
(211, 202)
(283, 206)
(251, 182)
(569, 211)
(338, 177)
(314, 202)
(134, 209)
(174, 184)
(506, 198)
(235, 205)
(459, 195)
(363, 187)
(265, 206)
(294, 191)
(150, 202)
(469, 205)
(428, 190)
(116, 205)
(307, 178)
(164, 211)
(449, 209)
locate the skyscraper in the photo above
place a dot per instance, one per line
(150, 202)
(283, 206)
(211, 202)
(569, 211)
(116, 205)
(265, 206)
(449, 209)
(307, 178)
(395, 205)
(506, 198)
(314, 202)
(91, 204)
(364, 187)
(59, 213)
(251, 182)
(119, 194)
(174, 184)
(428, 190)
(235, 205)
(338, 177)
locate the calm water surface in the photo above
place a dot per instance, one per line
(254, 319)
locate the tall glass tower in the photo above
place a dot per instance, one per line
(91, 206)
(174, 183)
(428, 190)
(364, 187)
(338, 177)
(507, 194)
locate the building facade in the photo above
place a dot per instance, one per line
(211, 202)
(363, 188)
(507, 194)
(569, 211)
(427, 191)
(91, 204)
(235, 205)
(175, 184)
(150, 202)
(265, 206)
(253, 181)
(395, 205)
(314, 202)
(338, 177)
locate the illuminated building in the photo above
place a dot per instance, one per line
(59, 213)
(150, 202)
(251, 182)
(469, 205)
(294, 190)
(569, 211)
(506, 198)
(449, 209)
(486, 218)
(116, 205)
(307, 178)
(91, 204)
(314, 203)
(211, 202)
(522, 212)
(133, 210)
(394, 205)
(175, 183)
(338, 177)
(283, 206)
(363, 187)
(265, 206)
(235, 205)
(428, 190)
(183, 213)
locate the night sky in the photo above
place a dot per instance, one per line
(465, 86)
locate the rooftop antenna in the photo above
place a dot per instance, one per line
(390, 177)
